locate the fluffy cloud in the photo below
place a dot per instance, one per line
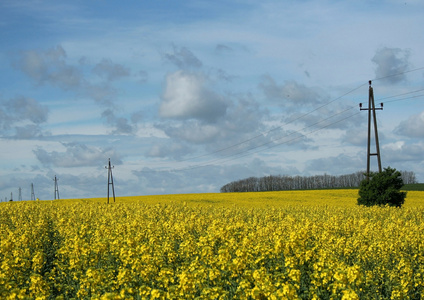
(391, 61)
(402, 152)
(76, 155)
(28, 131)
(165, 148)
(50, 67)
(357, 136)
(412, 127)
(110, 71)
(121, 125)
(22, 108)
(24, 115)
(186, 96)
(336, 165)
(244, 117)
(290, 94)
(193, 131)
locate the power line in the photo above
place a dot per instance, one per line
(398, 74)
(403, 94)
(290, 122)
(301, 116)
(246, 152)
(404, 99)
(323, 127)
(295, 138)
(271, 130)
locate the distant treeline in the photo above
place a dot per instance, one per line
(286, 182)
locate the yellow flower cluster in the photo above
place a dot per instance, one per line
(134, 250)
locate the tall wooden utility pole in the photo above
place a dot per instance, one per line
(371, 107)
(110, 181)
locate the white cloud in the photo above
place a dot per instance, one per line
(402, 151)
(336, 165)
(50, 67)
(111, 71)
(391, 61)
(76, 155)
(165, 148)
(412, 127)
(187, 96)
(290, 94)
(21, 118)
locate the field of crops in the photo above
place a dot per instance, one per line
(274, 245)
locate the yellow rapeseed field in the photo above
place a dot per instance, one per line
(273, 245)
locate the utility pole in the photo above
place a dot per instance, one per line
(20, 194)
(32, 192)
(56, 188)
(11, 196)
(371, 107)
(110, 181)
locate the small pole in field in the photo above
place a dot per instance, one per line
(32, 192)
(110, 181)
(56, 188)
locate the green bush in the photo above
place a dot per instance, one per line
(382, 188)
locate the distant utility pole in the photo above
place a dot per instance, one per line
(56, 188)
(20, 194)
(11, 196)
(110, 181)
(371, 107)
(32, 192)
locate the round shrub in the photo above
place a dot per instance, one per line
(382, 188)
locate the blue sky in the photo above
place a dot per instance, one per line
(184, 97)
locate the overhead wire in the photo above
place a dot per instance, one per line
(398, 74)
(403, 94)
(273, 129)
(407, 98)
(246, 152)
(305, 134)
(227, 159)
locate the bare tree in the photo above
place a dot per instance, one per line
(286, 182)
